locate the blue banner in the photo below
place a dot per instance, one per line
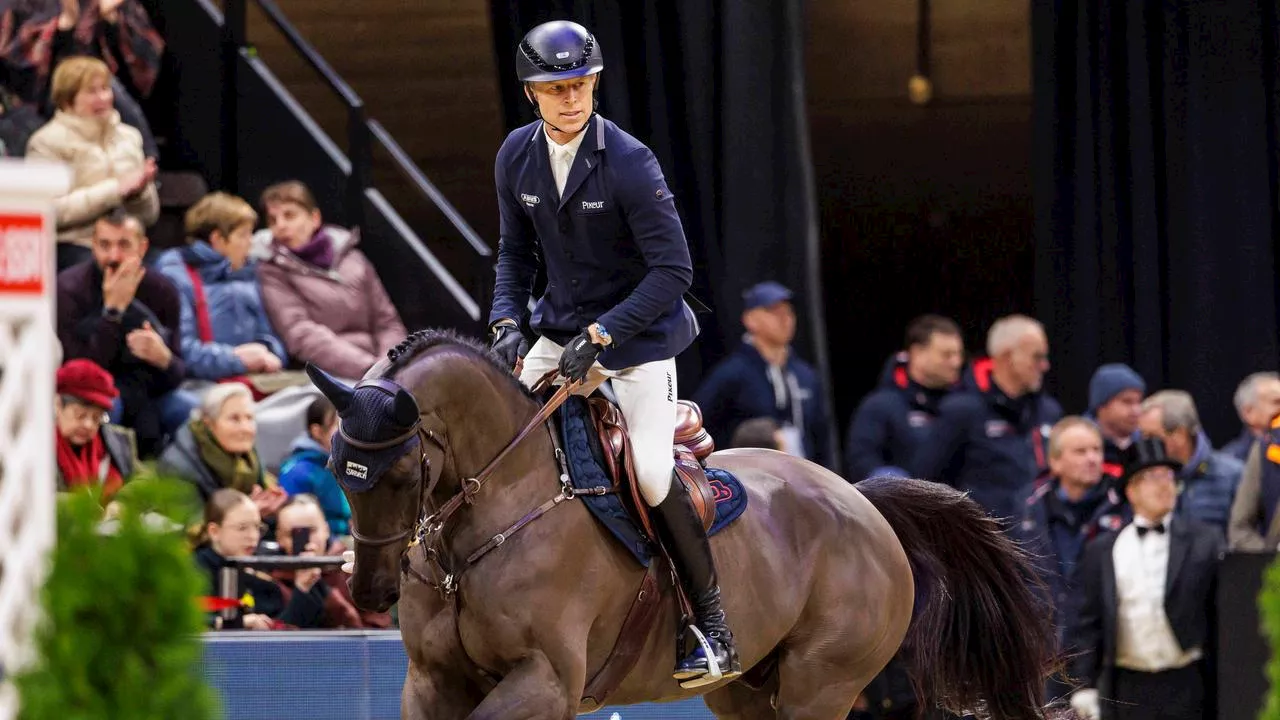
(340, 675)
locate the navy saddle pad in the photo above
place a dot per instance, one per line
(586, 470)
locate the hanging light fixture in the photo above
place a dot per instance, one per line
(920, 86)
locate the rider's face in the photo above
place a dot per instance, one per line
(564, 104)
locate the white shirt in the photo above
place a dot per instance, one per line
(562, 157)
(1145, 640)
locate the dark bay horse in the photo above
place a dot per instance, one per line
(817, 573)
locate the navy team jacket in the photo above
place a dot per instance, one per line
(614, 249)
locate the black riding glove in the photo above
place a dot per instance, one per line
(509, 344)
(578, 357)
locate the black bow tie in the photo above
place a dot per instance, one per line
(1142, 530)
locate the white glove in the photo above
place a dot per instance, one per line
(348, 561)
(1085, 703)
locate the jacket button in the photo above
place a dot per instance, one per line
(569, 255)
(578, 309)
(574, 282)
(564, 225)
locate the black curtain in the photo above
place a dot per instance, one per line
(1156, 193)
(716, 89)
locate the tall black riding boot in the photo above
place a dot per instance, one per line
(687, 542)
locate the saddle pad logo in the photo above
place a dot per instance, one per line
(722, 492)
(356, 470)
(998, 428)
(530, 200)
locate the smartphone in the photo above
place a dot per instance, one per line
(301, 536)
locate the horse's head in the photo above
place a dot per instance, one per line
(384, 469)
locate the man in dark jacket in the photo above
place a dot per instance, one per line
(112, 311)
(1063, 515)
(1208, 478)
(893, 420)
(991, 440)
(1257, 402)
(1146, 600)
(764, 378)
(1115, 403)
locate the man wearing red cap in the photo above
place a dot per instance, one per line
(89, 450)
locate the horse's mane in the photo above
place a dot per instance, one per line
(423, 340)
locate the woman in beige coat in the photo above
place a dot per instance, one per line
(107, 164)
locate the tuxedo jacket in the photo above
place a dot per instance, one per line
(1194, 552)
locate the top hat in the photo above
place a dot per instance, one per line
(1145, 453)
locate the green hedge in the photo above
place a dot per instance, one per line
(121, 633)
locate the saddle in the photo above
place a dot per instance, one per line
(691, 444)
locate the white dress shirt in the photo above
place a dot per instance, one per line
(562, 157)
(1145, 640)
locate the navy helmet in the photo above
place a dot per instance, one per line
(558, 50)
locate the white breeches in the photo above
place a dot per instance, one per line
(647, 397)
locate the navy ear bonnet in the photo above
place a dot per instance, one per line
(374, 413)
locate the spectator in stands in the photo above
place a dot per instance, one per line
(990, 439)
(233, 527)
(320, 291)
(1209, 478)
(303, 511)
(90, 451)
(1063, 515)
(215, 450)
(225, 331)
(115, 313)
(761, 432)
(764, 378)
(1146, 600)
(894, 419)
(37, 35)
(1253, 525)
(1115, 402)
(107, 164)
(306, 469)
(1257, 402)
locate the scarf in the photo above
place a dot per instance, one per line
(318, 251)
(240, 471)
(88, 464)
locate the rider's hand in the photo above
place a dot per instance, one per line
(508, 343)
(578, 357)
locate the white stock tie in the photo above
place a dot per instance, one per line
(560, 168)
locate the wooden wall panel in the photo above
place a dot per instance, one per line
(425, 70)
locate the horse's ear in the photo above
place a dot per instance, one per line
(405, 409)
(337, 393)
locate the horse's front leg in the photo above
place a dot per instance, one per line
(535, 689)
(436, 696)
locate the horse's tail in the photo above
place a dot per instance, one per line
(981, 640)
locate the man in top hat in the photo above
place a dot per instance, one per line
(764, 378)
(90, 451)
(1143, 622)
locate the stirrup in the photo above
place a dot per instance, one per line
(714, 672)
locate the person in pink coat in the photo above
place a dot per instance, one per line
(322, 294)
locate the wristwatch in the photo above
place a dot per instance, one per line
(605, 337)
(112, 314)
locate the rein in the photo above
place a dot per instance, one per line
(429, 532)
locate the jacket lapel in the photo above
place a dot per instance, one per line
(585, 161)
(1179, 546)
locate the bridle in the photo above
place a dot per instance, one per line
(429, 530)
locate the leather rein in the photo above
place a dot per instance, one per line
(429, 530)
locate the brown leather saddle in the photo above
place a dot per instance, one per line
(691, 445)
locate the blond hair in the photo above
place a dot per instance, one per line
(290, 191)
(1061, 427)
(217, 211)
(73, 75)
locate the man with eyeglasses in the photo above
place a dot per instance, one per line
(991, 439)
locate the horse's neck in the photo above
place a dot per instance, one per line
(487, 418)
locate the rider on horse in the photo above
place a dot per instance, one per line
(591, 200)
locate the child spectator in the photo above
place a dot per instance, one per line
(306, 470)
